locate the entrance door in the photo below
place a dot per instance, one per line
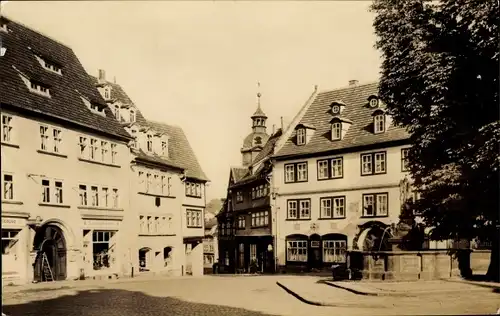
(314, 252)
(49, 240)
(144, 259)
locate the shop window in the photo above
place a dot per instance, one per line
(9, 239)
(103, 247)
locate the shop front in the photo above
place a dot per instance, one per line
(15, 233)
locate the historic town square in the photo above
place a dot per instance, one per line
(250, 157)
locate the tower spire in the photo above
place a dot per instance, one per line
(258, 95)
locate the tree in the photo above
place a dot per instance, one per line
(439, 79)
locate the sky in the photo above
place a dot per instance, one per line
(196, 64)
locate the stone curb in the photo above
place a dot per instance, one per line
(324, 304)
(366, 293)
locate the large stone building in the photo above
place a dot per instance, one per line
(339, 176)
(64, 165)
(167, 189)
(89, 187)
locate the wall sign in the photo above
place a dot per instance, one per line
(101, 224)
(12, 222)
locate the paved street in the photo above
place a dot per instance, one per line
(226, 295)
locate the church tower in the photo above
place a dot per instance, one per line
(256, 140)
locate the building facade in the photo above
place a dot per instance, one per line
(338, 179)
(167, 190)
(64, 166)
(210, 246)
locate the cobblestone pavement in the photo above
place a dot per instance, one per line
(220, 296)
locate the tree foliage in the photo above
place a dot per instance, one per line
(440, 80)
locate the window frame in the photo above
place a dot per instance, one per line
(259, 219)
(298, 210)
(193, 189)
(373, 163)
(380, 119)
(194, 221)
(301, 136)
(336, 128)
(329, 164)
(295, 171)
(404, 159)
(301, 244)
(342, 249)
(332, 207)
(12, 186)
(10, 127)
(375, 196)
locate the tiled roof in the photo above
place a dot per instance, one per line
(360, 133)
(153, 158)
(180, 151)
(269, 146)
(238, 173)
(66, 90)
(118, 94)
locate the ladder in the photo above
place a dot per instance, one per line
(47, 271)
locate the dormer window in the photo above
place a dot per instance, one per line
(48, 65)
(379, 123)
(107, 93)
(301, 136)
(164, 148)
(373, 101)
(3, 26)
(149, 143)
(117, 112)
(132, 116)
(336, 130)
(337, 107)
(39, 88)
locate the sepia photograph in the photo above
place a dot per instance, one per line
(250, 157)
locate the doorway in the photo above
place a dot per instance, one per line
(145, 259)
(50, 243)
(314, 252)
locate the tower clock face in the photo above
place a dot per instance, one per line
(336, 109)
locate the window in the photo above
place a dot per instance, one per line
(149, 143)
(132, 116)
(104, 151)
(296, 172)
(241, 222)
(44, 138)
(193, 218)
(332, 207)
(114, 153)
(330, 168)
(94, 195)
(142, 225)
(117, 112)
(116, 198)
(239, 196)
(9, 239)
(164, 187)
(296, 250)
(193, 189)
(83, 147)
(404, 159)
(260, 219)
(301, 136)
(376, 205)
(325, 207)
(336, 109)
(107, 93)
(93, 148)
(102, 248)
(334, 251)
(374, 102)
(8, 187)
(6, 128)
(83, 194)
(336, 131)
(45, 191)
(368, 167)
(59, 192)
(379, 123)
(156, 183)
(164, 148)
(105, 196)
(57, 139)
(299, 209)
(39, 89)
(52, 67)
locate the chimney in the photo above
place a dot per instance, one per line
(353, 83)
(114, 79)
(274, 129)
(102, 76)
(282, 124)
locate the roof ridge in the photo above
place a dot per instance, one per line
(7, 17)
(348, 87)
(162, 123)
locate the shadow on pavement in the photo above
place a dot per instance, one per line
(118, 303)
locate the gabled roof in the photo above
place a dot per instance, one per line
(180, 151)
(360, 133)
(119, 95)
(269, 146)
(238, 173)
(65, 102)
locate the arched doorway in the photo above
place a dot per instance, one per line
(167, 256)
(49, 242)
(145, 259)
